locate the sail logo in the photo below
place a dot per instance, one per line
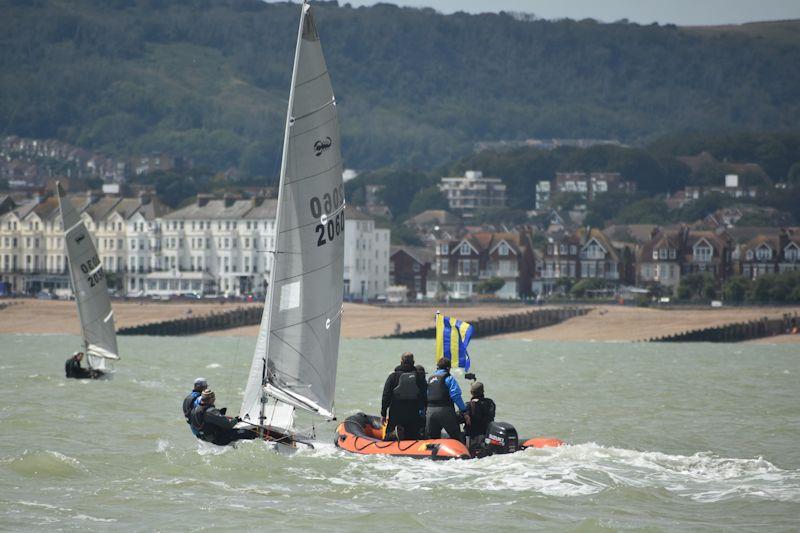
(80, 237)
(321, 145)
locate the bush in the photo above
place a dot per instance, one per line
(697, 286)
(579, 289)
(490, 286)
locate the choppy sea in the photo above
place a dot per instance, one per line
(665, 437)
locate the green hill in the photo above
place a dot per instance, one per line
(209, 79)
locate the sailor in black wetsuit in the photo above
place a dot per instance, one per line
(192, 400)
(74, 369)
(404, 396)
(481, 413)
(211, 425)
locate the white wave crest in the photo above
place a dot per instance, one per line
(578, 470)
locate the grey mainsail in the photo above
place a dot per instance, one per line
(294, 364)
(91, 291)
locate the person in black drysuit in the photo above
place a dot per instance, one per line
(74, 369)
(444, 395)
(211, 424)
(403, 399)
(421, 371)
(192, 400)
(481, 413)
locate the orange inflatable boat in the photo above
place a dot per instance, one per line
(362, 434)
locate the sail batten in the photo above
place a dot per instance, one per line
(297, 348)
(90, 288)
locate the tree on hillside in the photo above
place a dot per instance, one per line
(429, 198)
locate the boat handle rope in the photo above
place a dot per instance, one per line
(378, 445)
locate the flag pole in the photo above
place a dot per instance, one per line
(436, 338)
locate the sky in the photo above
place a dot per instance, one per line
(681, 12)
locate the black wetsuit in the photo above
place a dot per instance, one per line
(404, 396)
(74, 369)
(481, 414)
(212, 426)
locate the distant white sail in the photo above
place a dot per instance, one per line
(91, 291)
(298, 344)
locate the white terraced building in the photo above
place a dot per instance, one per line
(366, 257)
(213, 246)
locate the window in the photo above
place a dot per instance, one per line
(503, 249)
(749, 255)
(672, 253)
(764, 253)
(573, 249)
(445, 248)
(465, 249)
(562, 249)
(703, 253)
(662, 253)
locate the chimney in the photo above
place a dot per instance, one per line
(202, 199)
(257, 200)
(229, 200)
(783, 241)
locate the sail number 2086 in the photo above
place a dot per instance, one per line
(329, 228)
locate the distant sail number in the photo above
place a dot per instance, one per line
(328, 230)
(93, 277)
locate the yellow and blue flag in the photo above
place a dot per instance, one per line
(452, 338)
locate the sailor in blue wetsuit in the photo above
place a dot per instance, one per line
(193, 400)
(443, 395)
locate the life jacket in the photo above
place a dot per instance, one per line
(406, 389)
(481, 413)
(188, 405)
(438, 391)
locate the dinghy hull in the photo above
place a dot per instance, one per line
(362, 434)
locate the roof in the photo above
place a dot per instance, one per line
(152, 210)
(267, 209)
(47, 209)
(587, 235)
(351, 213)
(433, 217)
(639, 233)
(100, 209)
(213, 210)
(418, 253)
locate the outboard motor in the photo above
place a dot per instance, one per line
(501, 437)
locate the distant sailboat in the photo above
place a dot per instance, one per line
(294, 364)
(91, 291)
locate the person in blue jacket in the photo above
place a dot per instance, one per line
(444, 395)
(193, 400)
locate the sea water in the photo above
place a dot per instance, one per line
(662, 437)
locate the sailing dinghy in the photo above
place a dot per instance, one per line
(294, 364)
(91, 292)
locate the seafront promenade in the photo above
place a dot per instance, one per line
(602, 323)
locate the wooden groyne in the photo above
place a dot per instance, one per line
(496, 325)
(191, 325)
(737, 332)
